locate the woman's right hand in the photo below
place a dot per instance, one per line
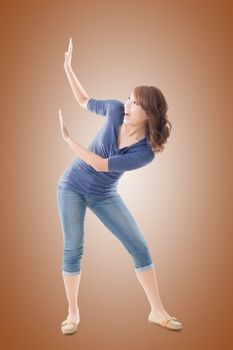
(68, 55)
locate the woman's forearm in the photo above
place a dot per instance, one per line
(78, 90)
(91, 158)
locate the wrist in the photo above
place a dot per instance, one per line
(68, 69)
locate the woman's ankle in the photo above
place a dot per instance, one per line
(73, 312)
(160, 312)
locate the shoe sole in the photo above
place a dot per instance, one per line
(68, 332)
(171, 329)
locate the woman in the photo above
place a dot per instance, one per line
(130, 136)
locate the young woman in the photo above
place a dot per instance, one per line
(130, 136)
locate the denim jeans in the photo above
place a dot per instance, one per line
(114, 214)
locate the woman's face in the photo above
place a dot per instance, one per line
(137, 115)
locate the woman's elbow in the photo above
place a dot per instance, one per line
(102, 165)
(84, 102)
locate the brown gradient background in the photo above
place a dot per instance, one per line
(182, 201)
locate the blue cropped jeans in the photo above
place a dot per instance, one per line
(114, 214)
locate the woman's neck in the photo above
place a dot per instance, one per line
(136, 132)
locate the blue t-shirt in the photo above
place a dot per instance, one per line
(82, 177)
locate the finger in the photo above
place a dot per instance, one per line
(70, 45)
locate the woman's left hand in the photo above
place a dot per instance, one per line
(64, 131)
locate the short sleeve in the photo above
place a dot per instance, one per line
(104, 107)
(129, 161)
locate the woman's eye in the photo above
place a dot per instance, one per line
(134, 101)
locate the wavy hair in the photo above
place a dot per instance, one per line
(158, 127)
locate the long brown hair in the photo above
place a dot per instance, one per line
(158, 127)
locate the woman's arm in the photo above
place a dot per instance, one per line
(91, 158)
(78, 90)
(97, 162)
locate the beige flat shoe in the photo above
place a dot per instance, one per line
(69, 327)
(169, 323)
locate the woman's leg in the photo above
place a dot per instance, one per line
(117, 218)
(148, 281)
(72, 208)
